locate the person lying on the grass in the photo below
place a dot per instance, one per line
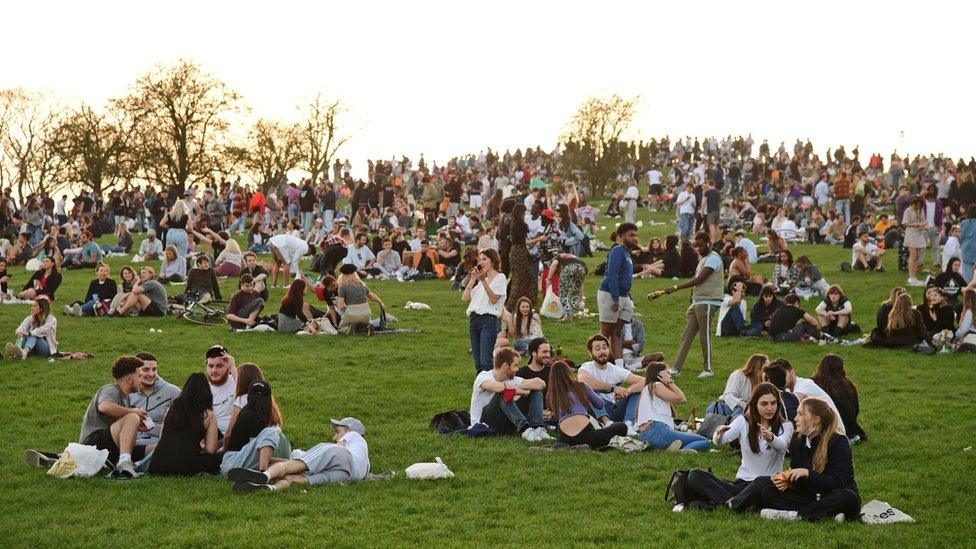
(202, 281)
(155, 396)
(245, 305)
(188, 445)
(570, 401)
(763, 434)
(500, 399)
(256, 434)
(344, 460)
(820, 482)
(37, 334)
(148, 296)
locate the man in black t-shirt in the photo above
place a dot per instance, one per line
(711, 206)
(538, 367)
(790, 323)
(244, 306)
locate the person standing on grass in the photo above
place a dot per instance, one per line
(500, 399)
(570, 401)
(607, 379)
(706, 298)
(630, 201)
(613, 298)
(485, 293)
(155, 396)
(344, 460)
(820, 482)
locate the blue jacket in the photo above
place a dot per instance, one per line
(620, 273)
(967, 240)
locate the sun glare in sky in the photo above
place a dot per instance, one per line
(448, 78)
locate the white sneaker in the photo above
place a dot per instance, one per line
(125, 470)
(530, 435)
(543, 434)
(839, 517)
(706, 374)
(67, 310)
(631, 430)
(778, 514)
(678, 508)
(915, 282)
(76, 310)
(673, 372)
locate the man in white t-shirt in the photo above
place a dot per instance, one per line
(500, 399)
(222, 374)
(630, 201)
(866, 255)
(287, 251)
(804, 387)
(619, 388)
(686, 212)
(654, 187)
(344, 460)
(361, 257)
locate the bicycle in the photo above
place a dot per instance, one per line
(198, 313)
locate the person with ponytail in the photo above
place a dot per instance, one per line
(820, 482)
(763, 434)
(655, 414)
(569, 400)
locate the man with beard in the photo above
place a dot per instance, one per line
(154, 396)
(222, 374)
(613, 298)
(538, 367)
(606, 379)
(501, 399)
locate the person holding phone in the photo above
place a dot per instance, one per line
(485, 294)
(655, 414)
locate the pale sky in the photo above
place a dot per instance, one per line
(446, 78)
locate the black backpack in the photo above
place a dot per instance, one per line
(451, 421)
(678, 489)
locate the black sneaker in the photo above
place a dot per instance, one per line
(846, 267)
(240, 474)
(252, 487)
(36, 458)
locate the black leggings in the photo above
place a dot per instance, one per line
(595, 438)
(809, 507)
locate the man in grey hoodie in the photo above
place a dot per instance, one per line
(154, 396)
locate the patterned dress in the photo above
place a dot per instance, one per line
(572, 273)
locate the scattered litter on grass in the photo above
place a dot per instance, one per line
(417, 306)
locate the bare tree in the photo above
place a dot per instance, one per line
(184, 114)
(95, 147)
(320, 135)
(272, 148)
(27, 160)
(593, 141)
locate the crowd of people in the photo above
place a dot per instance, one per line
(511, 231)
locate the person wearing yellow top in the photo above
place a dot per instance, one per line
(882, 225)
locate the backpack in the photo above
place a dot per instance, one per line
(450, 421)
(679, 490)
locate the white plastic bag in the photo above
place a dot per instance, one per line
(551, 307)
(879, 512)
(79, 460)
(429, 471)
(417, 306)
(33, 264)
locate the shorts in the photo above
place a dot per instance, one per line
(624, 312)
(655, 190)
(152, 310)
(102, 439)
(711, 218)
(475, 201)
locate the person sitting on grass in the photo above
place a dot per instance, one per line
(353, 299)
(148, 296)
(834, 313)
(89, 256)
(808, 277)
(500, 399)
(258, 274)
(294, 312)
(111, 424)
(866, 255)
(521, 328)
(763, 434)
(202, 283)
(360, 256)
(102, 288)
(655, 412)
(936, 310)
(569, 401)
(388, 261)
(173, 267)
(790, 323)
(801, 387)
(820, 482)
(4, 279)
(904, 326)
(256, 434)
(344, 460)
(732, 313)
(44, 282)
(21, 252)
(247, 373)
(607, 379)
(245, 306)
(739, 387)
(779, 372)
(230, 259)
(37, 334)
(155, 395)
(188, 445)
(831, 377)
(124, 241)
(151, 248)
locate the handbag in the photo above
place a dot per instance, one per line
(678, 489)
(551, 307)
(428, 471)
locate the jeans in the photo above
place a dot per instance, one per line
(509, 417)
(308, 218)
(967, 272)
(37, 233)
(327, 217)
(140, 221)
(620, 410)
(88, 309)
(686, 225)
(37, 345)
(258, 248)
(734, 323)
(292, 211)
(661, 435)
(237, 225)
(796, 333)
(483, 330)
(177, 237)
(843, 205)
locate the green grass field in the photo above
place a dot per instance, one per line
(920, 412)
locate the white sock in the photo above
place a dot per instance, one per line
(125, 457)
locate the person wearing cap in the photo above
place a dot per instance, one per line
(345, 459)
(287, 251)
(256, 433)
(151, 248)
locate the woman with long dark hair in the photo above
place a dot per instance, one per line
(570, 400)
(188, 444)
(763, 434)
(294, 311)
(520, 328)
(655, 413)
(37, 334)
(44, 282)
(831, 377)
(936, 311)
(523, 283)
(485, 294)
(256, 434)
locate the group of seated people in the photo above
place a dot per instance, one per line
(763, 401)
(224, 421)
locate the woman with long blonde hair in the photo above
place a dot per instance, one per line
(230, 260)
(175, 222)
(820, 482)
